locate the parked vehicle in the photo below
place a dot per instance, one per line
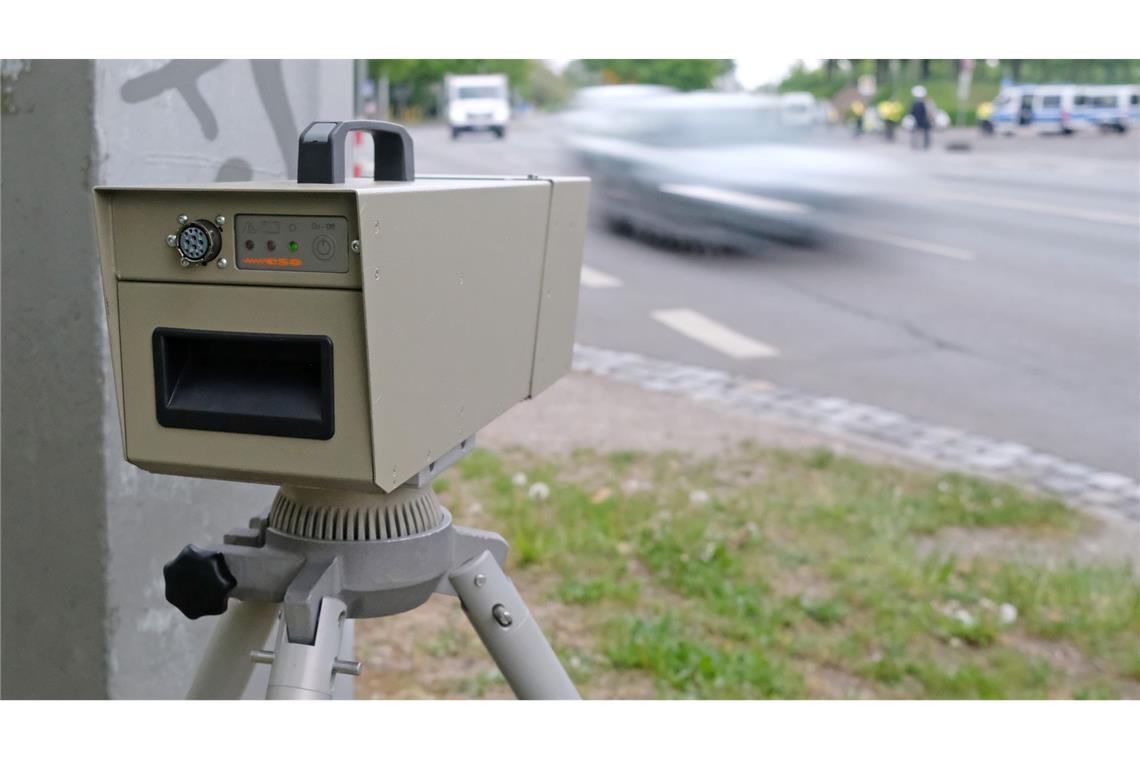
(798, 109)
(1012, 108)
(721, 170)
(1111, 107)
(477, 103)
(1053, 109)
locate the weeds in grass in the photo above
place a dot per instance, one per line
(807, 557)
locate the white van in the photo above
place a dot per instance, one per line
(1053, 109)
(477, 102)
(1111, 107)
(798, 110)
(1012, 107)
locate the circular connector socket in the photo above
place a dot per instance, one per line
(199, 242)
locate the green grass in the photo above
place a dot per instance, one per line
(801, 563)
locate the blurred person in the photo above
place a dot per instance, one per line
(984, 116)
(890, 111)
(858, 110)
(920, 112)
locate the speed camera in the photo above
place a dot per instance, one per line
(328, 333)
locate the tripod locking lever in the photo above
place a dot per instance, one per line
(198, 582)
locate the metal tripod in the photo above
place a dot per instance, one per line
(319, 558)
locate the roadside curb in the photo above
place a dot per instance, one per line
(891, 432)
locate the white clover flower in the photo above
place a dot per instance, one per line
(1007, 614)
(633, 485)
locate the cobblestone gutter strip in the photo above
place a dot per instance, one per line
(894, 433)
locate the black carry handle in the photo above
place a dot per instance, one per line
(320, 152)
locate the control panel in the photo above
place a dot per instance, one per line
(285, 243)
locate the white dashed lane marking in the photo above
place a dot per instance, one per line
(922, 246)
(700, 328)
(1047, 209)
(592, 278)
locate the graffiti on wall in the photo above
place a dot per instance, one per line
(183, 78)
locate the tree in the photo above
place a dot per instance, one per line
(881, 71)
(682, 73)
(829, 66)
(544, 88)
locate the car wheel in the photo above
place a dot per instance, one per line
(619, 225)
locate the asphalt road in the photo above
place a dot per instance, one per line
(1002, 298)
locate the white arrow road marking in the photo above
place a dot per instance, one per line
(922, 246)
(713, 334)
(592, 278)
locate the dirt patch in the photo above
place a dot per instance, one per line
(585, 411)
(1108, 541)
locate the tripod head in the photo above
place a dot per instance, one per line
(380, 554)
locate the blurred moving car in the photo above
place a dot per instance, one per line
(477, 103)
(721, 170)
(591, 105)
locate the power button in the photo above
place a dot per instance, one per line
(323, 247)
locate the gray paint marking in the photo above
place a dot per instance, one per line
(181, 76)
(270, 81)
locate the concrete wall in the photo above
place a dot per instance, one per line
(84, 535)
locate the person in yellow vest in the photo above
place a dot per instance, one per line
(857, 111)
(891, 113)
(984, 116)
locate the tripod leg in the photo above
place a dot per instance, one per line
(510, 634)
(226, 667)
(308, 671)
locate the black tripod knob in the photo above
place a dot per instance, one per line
(198, 582)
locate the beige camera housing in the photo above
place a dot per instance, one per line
(458, 299)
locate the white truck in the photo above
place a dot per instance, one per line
(477, 102)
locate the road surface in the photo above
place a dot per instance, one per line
(1004, 299)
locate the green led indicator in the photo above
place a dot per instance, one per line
(293, 246)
